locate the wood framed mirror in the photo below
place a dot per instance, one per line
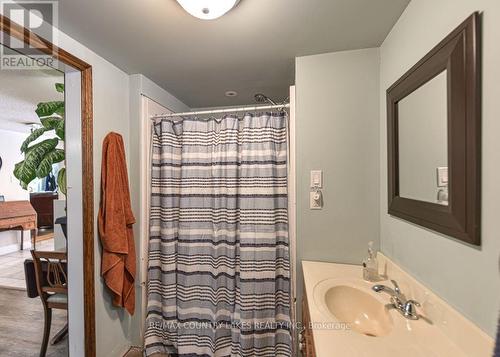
(434, 138)
(84, 227)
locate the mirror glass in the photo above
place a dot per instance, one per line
(423, 142)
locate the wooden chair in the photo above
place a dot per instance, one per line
(53, 289)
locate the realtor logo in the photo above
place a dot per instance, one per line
(40, 17)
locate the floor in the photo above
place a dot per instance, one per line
(12, 265)
(138, 352)
(134, 352)
(21, 318)
(21, 326)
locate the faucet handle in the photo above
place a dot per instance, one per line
(413, 302)
(409, 309)
(396, 287)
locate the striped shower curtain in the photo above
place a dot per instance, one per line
(219, 269)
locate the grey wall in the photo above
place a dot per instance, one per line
(9, 185)
(336, 118)
(111, 113)
(467, 277)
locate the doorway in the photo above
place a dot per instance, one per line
(25, 97)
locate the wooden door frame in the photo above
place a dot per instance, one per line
(23, 34)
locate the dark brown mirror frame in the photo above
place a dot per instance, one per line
(459, 54)
(22, 34)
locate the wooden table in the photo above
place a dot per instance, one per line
(20, 216)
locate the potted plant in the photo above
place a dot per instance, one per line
(39, 157)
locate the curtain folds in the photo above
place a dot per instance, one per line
(219, 265)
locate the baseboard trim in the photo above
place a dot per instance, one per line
(11, 248)
(14, 247)
(134, 351)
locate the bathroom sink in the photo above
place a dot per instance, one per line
(363, 312)
(345, 312)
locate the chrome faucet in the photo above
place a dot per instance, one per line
(407, 308)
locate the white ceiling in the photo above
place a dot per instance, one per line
(251, 49)
(21, 91)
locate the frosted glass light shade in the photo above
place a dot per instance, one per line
(207, 9)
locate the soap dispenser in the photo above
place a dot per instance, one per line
(370, 265)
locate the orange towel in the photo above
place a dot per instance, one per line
(115, 222)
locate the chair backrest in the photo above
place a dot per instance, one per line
(53, 279)
(2, 198)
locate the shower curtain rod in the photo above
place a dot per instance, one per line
(220, 111)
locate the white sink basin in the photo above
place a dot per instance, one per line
(361, 311)
(354, 305)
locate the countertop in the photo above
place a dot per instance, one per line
(446, 333)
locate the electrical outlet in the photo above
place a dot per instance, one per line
(315, 200)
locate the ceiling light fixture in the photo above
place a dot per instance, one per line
(231, 93)
(207, 9)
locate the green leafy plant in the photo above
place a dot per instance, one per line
(39, 157)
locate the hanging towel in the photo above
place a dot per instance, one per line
(115, 222)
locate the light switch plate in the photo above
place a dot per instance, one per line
(442, 176)
(316, 179)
